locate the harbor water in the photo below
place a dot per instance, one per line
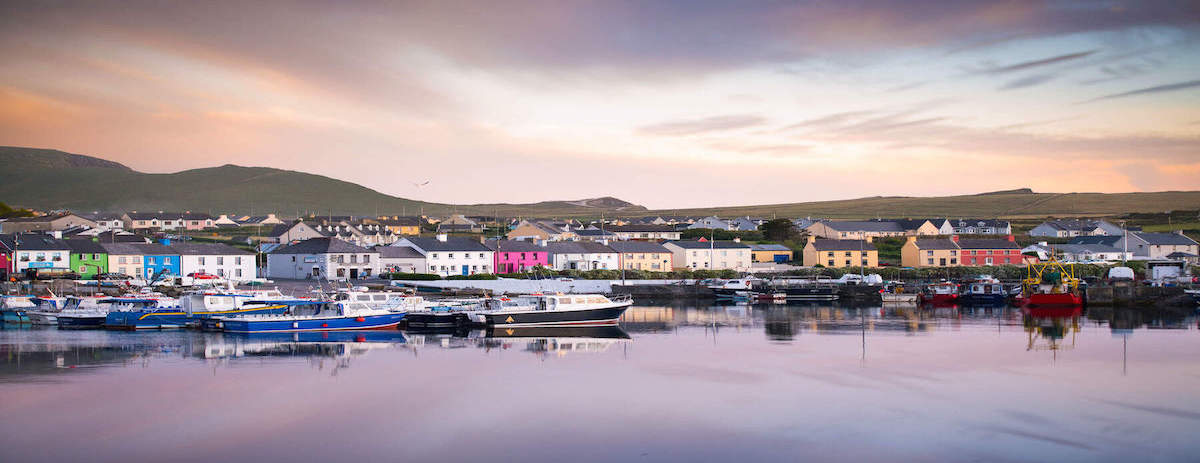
(672, 383)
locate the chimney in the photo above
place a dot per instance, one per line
(812, 238)
(954, 237)
(737, 240)
(441, 237)
(912, 239)
(870, 238)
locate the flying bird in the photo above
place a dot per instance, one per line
(419, 185)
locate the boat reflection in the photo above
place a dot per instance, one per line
(541, 341)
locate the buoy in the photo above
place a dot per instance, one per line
(324, 325)
(360, 319)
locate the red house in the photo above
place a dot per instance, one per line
(7, 246)
(989, 251)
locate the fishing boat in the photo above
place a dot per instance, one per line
(83, 313)
(897, 294)
(941, 293)
(1051, 284)
(984, 290)
(144, 313)
(315, 316)
(14, 310)
(809, 292)
(558, 310)
(737, 290)
(447, 313)
(46, 309)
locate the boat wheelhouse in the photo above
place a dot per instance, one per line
(15, 309)
(141, 313)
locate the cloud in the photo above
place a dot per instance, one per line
(1027, 81)
(1037, 63)
(697, 126)
(1150, 90)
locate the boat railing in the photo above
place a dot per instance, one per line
(621, 298)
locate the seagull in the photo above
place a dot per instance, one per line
(419, 185)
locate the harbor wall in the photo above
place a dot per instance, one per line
(1133, 294)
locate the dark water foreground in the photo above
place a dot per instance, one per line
(673, 384)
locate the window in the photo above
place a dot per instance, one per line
(847, 253)
(82, 269)
(121, 260)
(481, 255)
(953, 261)
(237, 260)
(354, 258)
(829, 264)
(200, 260)
(435, 255)
(830, 253)
(366, 258)
(450, 255)
(847, 262)
(293, 258)
(953, 252)
(929, 253)
(988, 261)
(930, 261)
(237, 273)
(220, 260)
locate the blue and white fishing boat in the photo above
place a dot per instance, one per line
(983, 290)
(316, 316)
(144, 313)
(14, 310)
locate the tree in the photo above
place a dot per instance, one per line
(779, 230)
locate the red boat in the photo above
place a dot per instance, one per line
(942, 293)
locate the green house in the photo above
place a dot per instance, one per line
(88, 258)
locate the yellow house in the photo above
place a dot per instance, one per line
(840, 253)
(643, 255)
(401, 225)
(930, 252)
(776, 253)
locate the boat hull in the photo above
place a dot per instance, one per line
(14, 317)
(1054, 300)
(436, 319)
(146, 320)
(43, 318)
(810, 294)
(292, 324)
(941, 298)
(584, 317)
(906, 298)
(80, 322)
(983, 299)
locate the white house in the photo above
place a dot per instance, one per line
(718, 255)
(287, 233)
(401, 259)
(215, 259)
(327, 258)
(979, 227)
(653, 232)
(1092, 252)
(39, 251)
(1072, 228)
(447, 256)
(582, 255)
(1158, 245)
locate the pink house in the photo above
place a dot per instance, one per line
(517, 256)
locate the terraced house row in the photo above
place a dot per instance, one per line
(43, 255)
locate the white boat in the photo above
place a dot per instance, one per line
(557, 310)
(46, 310)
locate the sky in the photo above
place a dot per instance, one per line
(667, 104)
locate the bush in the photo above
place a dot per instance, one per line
(410, 276)
(477, 276)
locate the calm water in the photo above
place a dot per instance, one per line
(674, 383)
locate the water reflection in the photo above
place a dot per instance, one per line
(670, 383)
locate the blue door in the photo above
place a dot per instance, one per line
(465, 272)
(780, 258)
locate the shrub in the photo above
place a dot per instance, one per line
(477, 276)
(410, 276)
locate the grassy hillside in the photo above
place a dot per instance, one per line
(1014, 204)
(49, 179)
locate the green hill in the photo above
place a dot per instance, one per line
(50, 179)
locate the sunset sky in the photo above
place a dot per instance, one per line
(665, 104)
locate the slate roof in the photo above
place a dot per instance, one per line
(578, 247)
(642, 228)
(39, 242)
(6, 241)
(1158, 239)
(1104, 240)
(1181, 255)
(1081, 248)
(398, 252)
(208, 249)
(933, 244)
(152, 249)
(1078, 225)
(769, 247)
(154, 215)
(987, 244)
(638, 246)
(984, 223)
(85, 246)
(514, 246)
(594, 233)
(451, 244)
(842, 245)
(705, 244)
(322, 246)
(868, 226)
